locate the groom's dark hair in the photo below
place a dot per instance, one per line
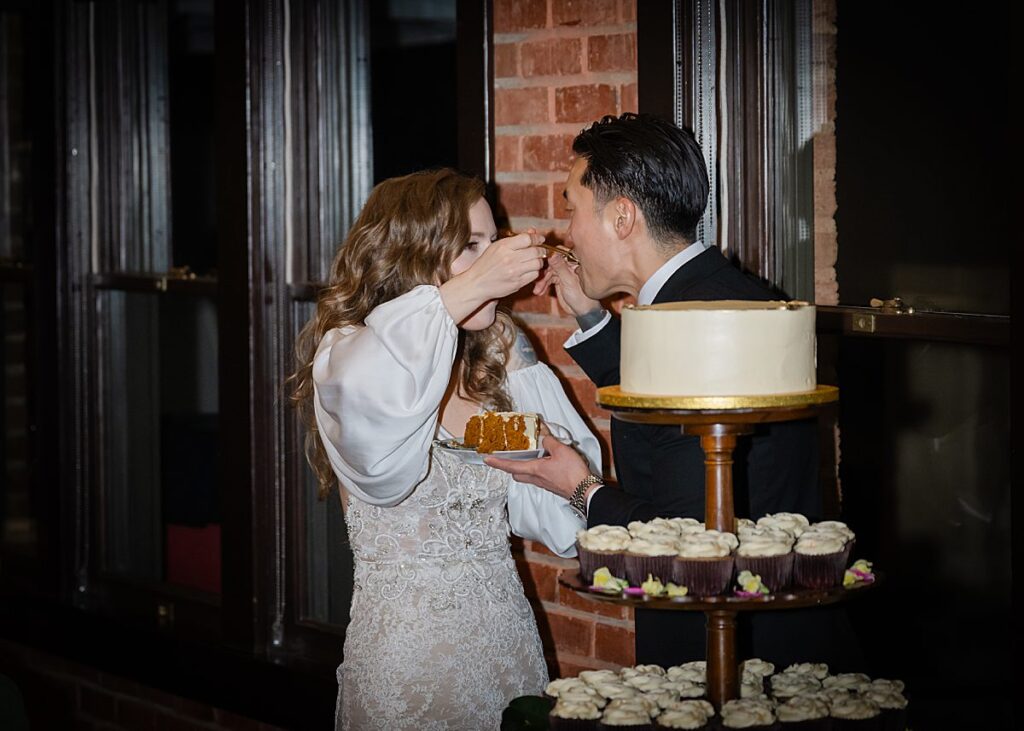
(654, 163)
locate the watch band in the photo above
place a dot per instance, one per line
(578, 501)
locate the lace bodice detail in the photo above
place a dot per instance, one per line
(441, 636)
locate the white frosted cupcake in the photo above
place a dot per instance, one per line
(573, 716)
(624, 717)
(851, 682)
(695, 671)
(658, 529)
(742, 713)
(687, 525)
(704, 563)
(893, 707)
(591, 677)
(855, 712)
(645, 558)
(803, 713)
(767, 552)
(820, 560)
(817, 670)
(602, 546)
(792, 523)
(641, 670)
(686, 714)
(787, 685)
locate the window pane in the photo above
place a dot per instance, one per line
(413, 76)
(15, 142)
(18, 525)
(193, 103)
(925, 475)
(161, 500)
(923, 207)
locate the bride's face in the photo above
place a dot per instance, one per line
(483, 233)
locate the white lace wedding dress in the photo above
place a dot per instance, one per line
(441, 634)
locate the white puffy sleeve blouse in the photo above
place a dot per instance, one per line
(377, 396)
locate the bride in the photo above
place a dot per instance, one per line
(407, 344)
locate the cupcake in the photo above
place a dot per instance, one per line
(660, 530)
(792, 523)
(641, 670)
(687, 689)
(649, 558)
(851, 682)
(632, 715)
(787, 685)
(820, 560)
(556, 687)
(817, 670)
(695, 671)
(893, 707)
(768, 553)
(573, 716)
(743, 713)
(803, 713)
(856, 712)
(648, 683)
(687, 525)
(833, 526)
(602, 545)
(704, 563)
(687, 714)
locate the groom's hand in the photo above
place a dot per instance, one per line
(563, 276)
(559, 472)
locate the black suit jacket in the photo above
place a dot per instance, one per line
(661, 472)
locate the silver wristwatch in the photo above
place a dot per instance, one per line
(578, 501)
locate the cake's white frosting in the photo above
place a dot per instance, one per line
(724, 348)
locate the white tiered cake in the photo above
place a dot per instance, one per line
(722, 348)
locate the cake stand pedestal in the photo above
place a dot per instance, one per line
(719, 421)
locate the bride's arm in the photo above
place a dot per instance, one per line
(535, 513)
(378, 389)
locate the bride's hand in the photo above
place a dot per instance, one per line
(506, 266)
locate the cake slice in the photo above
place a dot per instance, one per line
(501, 431)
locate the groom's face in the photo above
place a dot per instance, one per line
(592, 236)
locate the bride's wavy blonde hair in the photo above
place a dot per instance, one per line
(409, 232)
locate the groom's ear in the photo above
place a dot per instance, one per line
(625, 217)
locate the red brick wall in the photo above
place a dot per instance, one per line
(59, 694)
(559, 65)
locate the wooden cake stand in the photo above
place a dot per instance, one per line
(719, 421)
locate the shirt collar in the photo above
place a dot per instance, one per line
(653, 285)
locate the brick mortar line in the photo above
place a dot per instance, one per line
(560, 609)
(565, 32)
(537, 177)
(547, 129)
(585, 660)
(564, 81)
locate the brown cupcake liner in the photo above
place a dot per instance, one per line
(591, 561)
(639, 567)
(820, 572)
(703, 576)
(634, 727)
(776, 572)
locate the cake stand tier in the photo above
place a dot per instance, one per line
(719, 421)
(787, 599)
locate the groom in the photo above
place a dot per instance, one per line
(635, 194)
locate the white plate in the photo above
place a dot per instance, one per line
(471, 456)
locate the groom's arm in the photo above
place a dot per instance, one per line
(598, 354)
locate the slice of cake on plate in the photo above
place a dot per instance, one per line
(501, 431)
